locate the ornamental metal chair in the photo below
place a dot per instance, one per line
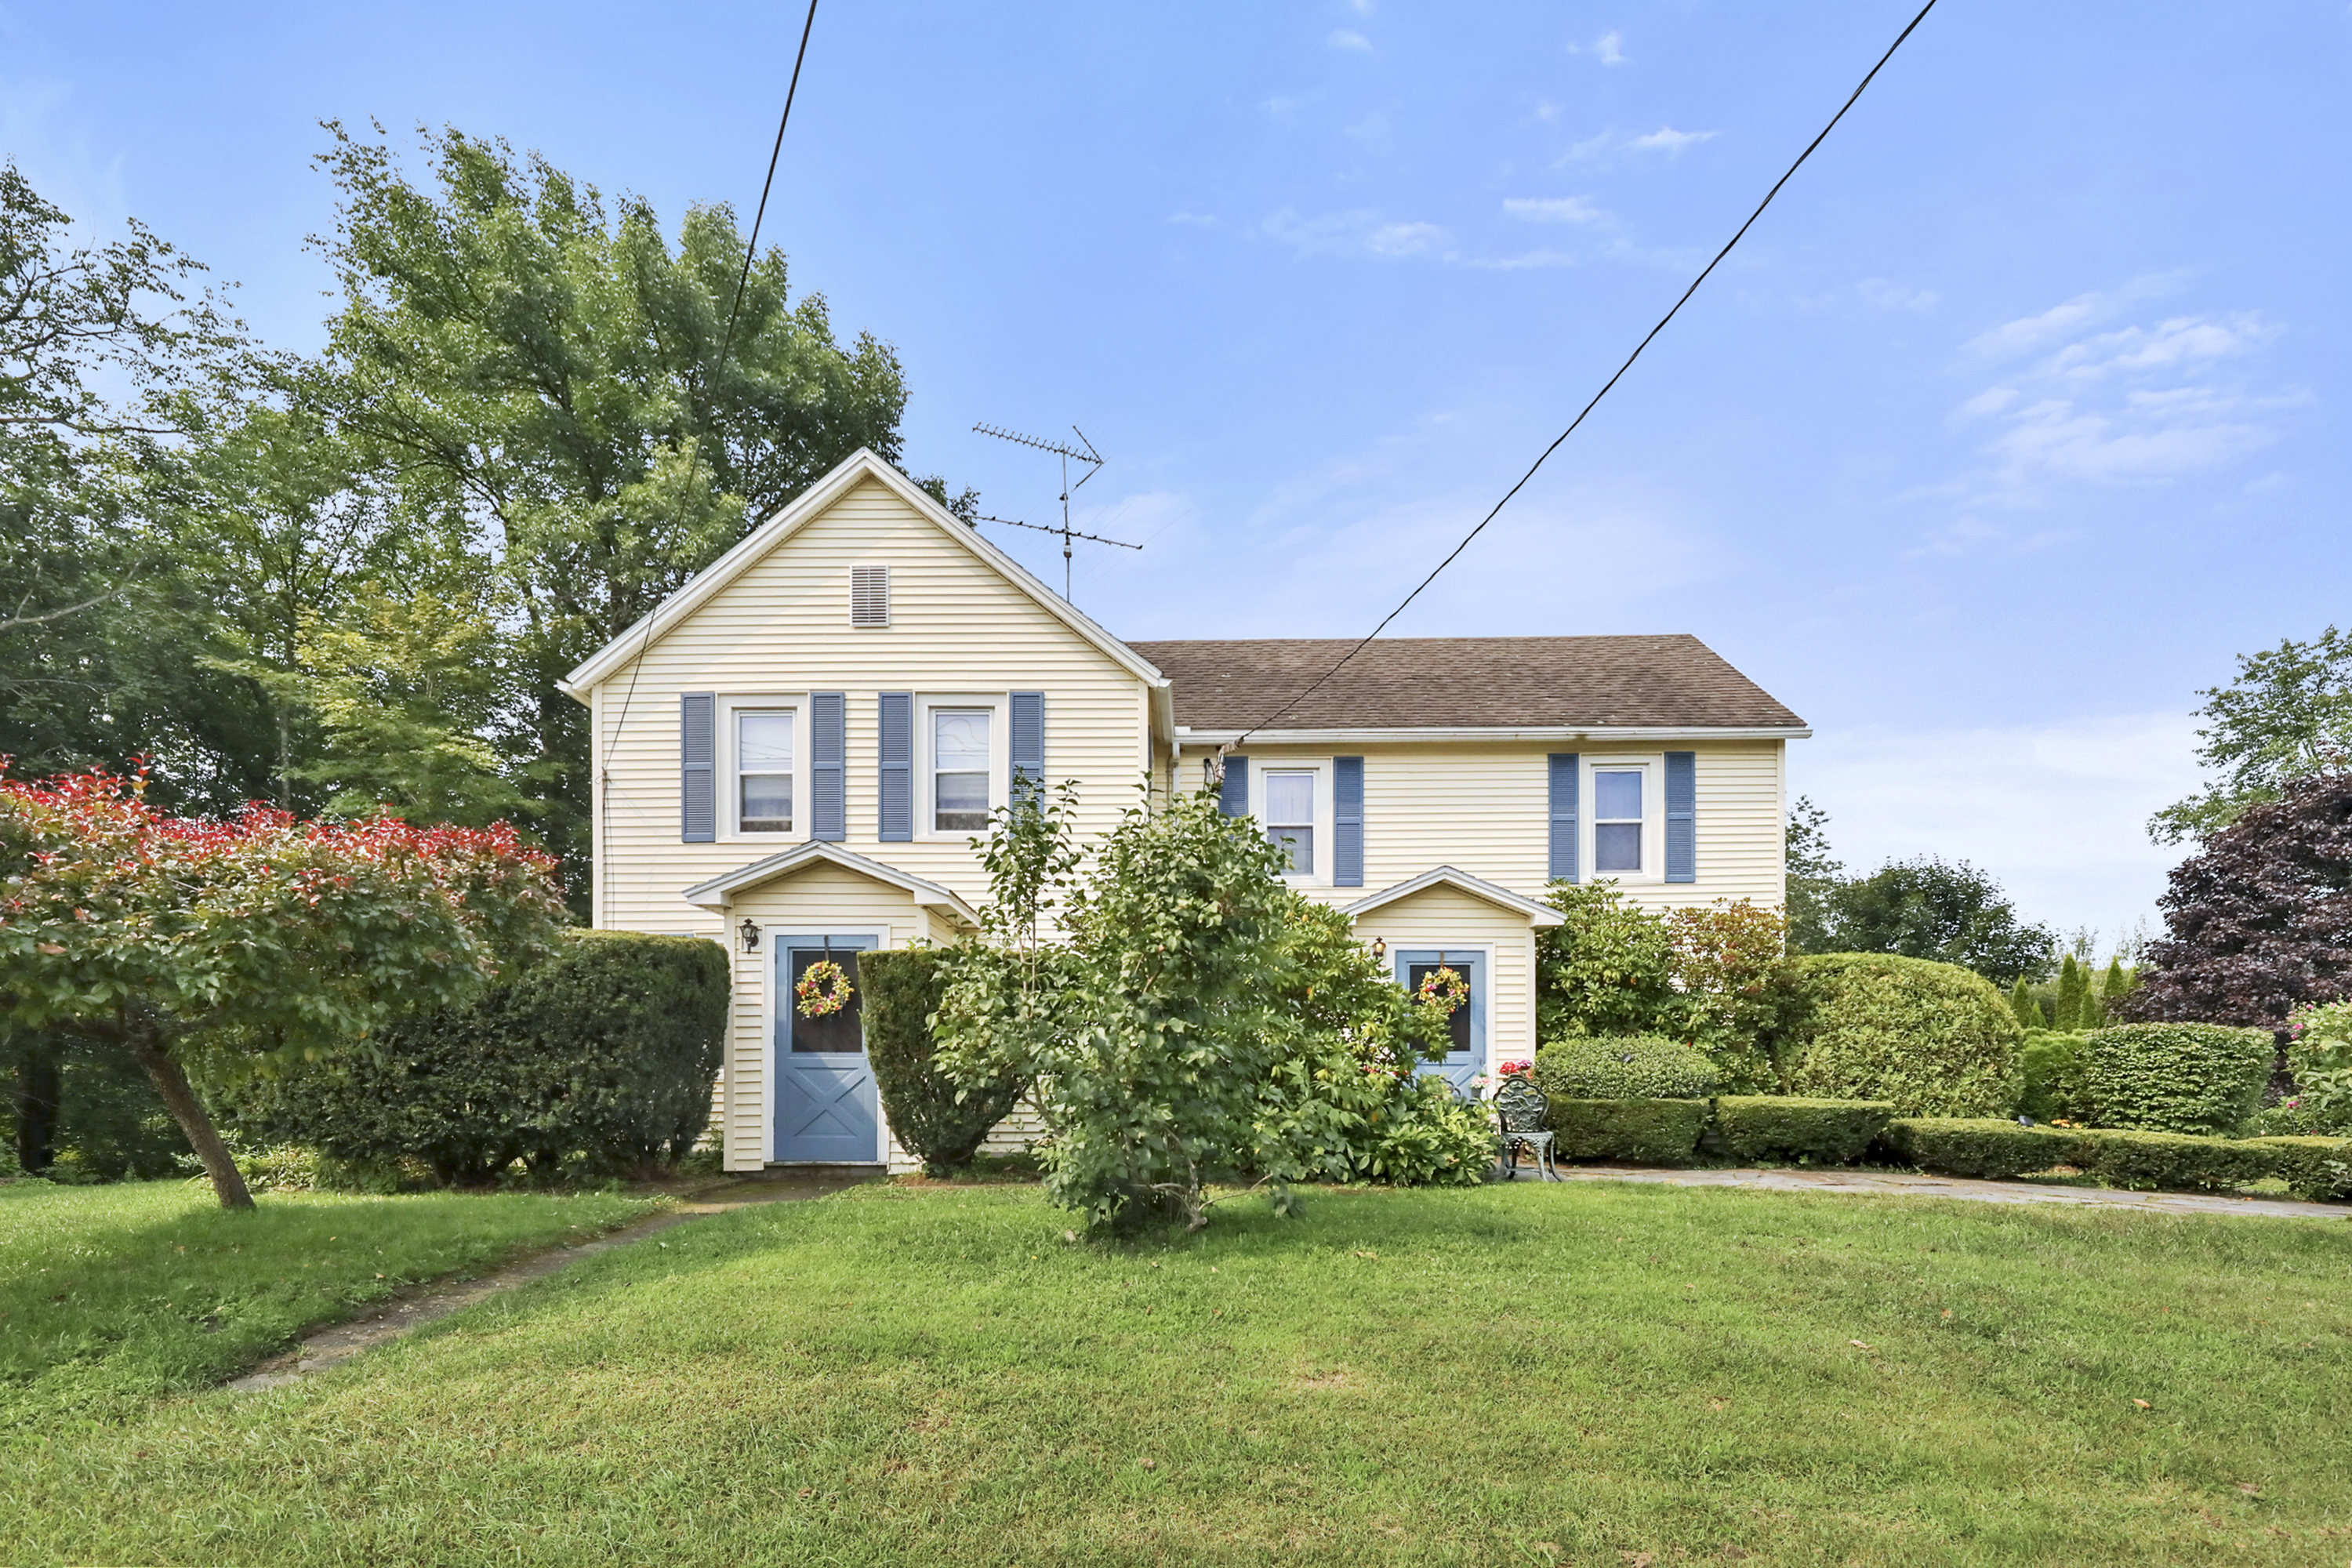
(1520, 1113)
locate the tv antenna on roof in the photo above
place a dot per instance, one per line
(1088, 455)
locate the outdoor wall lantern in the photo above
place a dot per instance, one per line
(1379, 949)
(750, 936)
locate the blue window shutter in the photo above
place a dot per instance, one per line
(698, 768)
(1232, 794)
(1682, 817)
(894, 727)
(1347, 822)
(828, 782)
(1563, 816)
(1028, 744)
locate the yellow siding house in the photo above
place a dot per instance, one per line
(794, 752)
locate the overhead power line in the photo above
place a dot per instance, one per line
(1851, 99)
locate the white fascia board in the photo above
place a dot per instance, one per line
(718, 892)
(1477, 887)
(858, 465)
(1499, 732)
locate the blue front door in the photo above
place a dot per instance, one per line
(827, 1109)
(1467, 1059)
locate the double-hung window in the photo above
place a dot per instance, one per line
(1618, 824)
(1289, 816)
(763, 770)
(961, 764)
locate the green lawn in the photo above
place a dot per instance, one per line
(111, 1296)
(1519, 1374)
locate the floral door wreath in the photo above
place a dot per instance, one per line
(824, 989)
(1444, 984)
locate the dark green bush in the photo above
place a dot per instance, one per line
(75, 1109)
(2175, 1077)
(2052, 1062)
(1984, 1147)
(933, 1120)
(1784, 1127)
(2319, 1169)
(2170, 1161)
(1934, 1038)
(1624, 1066)
(600, 1058)
(1648, 1131)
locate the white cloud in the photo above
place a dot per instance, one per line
(1667, 138)
(1357, 233)
(1348, 38)
(1523, 262)
(1609, 48)
(1556, 209)
(2056, 810)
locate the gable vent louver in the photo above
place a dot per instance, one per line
(869, 595)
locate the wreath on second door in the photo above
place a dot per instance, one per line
(822, 989)
(1444, 984)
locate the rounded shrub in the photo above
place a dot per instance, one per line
(932, 1117)
(2173, 1078)
(2052, 1062)
(1646, 1132)
(1933, 1038)
(600, 1058)
(1623, 1066)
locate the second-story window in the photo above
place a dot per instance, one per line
(763, 771)
(1617, 819)
(1290, 817)
(960, 770)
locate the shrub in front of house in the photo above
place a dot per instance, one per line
(933, 1118)
(2173, 1078)
(1646, 1131)
(1989, 1148)
(2051, 1062)
(2170, 1161)
(2319, 1169)
(1623, 1066)
(1933, 1038)
(599, 1060)
(1786, 1127)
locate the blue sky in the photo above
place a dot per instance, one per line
(2017, 416)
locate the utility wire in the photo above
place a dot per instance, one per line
(694, 387)
(1226, 748)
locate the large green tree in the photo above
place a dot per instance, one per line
(1946, 911)
(555, 369)
(2287, 716)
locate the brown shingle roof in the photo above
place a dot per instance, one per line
(1598, 682)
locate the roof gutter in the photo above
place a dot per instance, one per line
(1409, 735)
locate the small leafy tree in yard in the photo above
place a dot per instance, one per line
(1607, 969)
(2260, 921)
(1737, 982)
(264, 934)
(2319, 1054)
(1813, 875)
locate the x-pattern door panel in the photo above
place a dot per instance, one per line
(827, 1109)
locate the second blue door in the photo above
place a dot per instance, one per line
(826, 1108)
(1468, 1058)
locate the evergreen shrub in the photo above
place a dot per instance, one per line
(1786, 1127)
(1624, 1066)
(2170, 1161)
(940, 1123)
(599, 1060)
(2173, 1078)
(2051, 1061)
(1987, 1148)
(1646, 1132)
(2319, 1169)
(1934, 1038)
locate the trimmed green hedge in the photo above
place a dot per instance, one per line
(931, 1118)
(2173, 1078)
(1934, 1038)
(2319, 1169)
(1648, 1131)
(2169, 1162)
(1785, 1126)
(1985, 1147)
(1624, 1066)
(600, 1058)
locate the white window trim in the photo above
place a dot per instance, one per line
(772, 1001)
(1652, 768)
(730, 803)
(1000, 759)
(1321, 768)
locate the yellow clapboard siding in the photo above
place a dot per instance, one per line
(1444, 916)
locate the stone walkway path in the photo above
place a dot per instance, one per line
(1915, 1184)
(412, 1309)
